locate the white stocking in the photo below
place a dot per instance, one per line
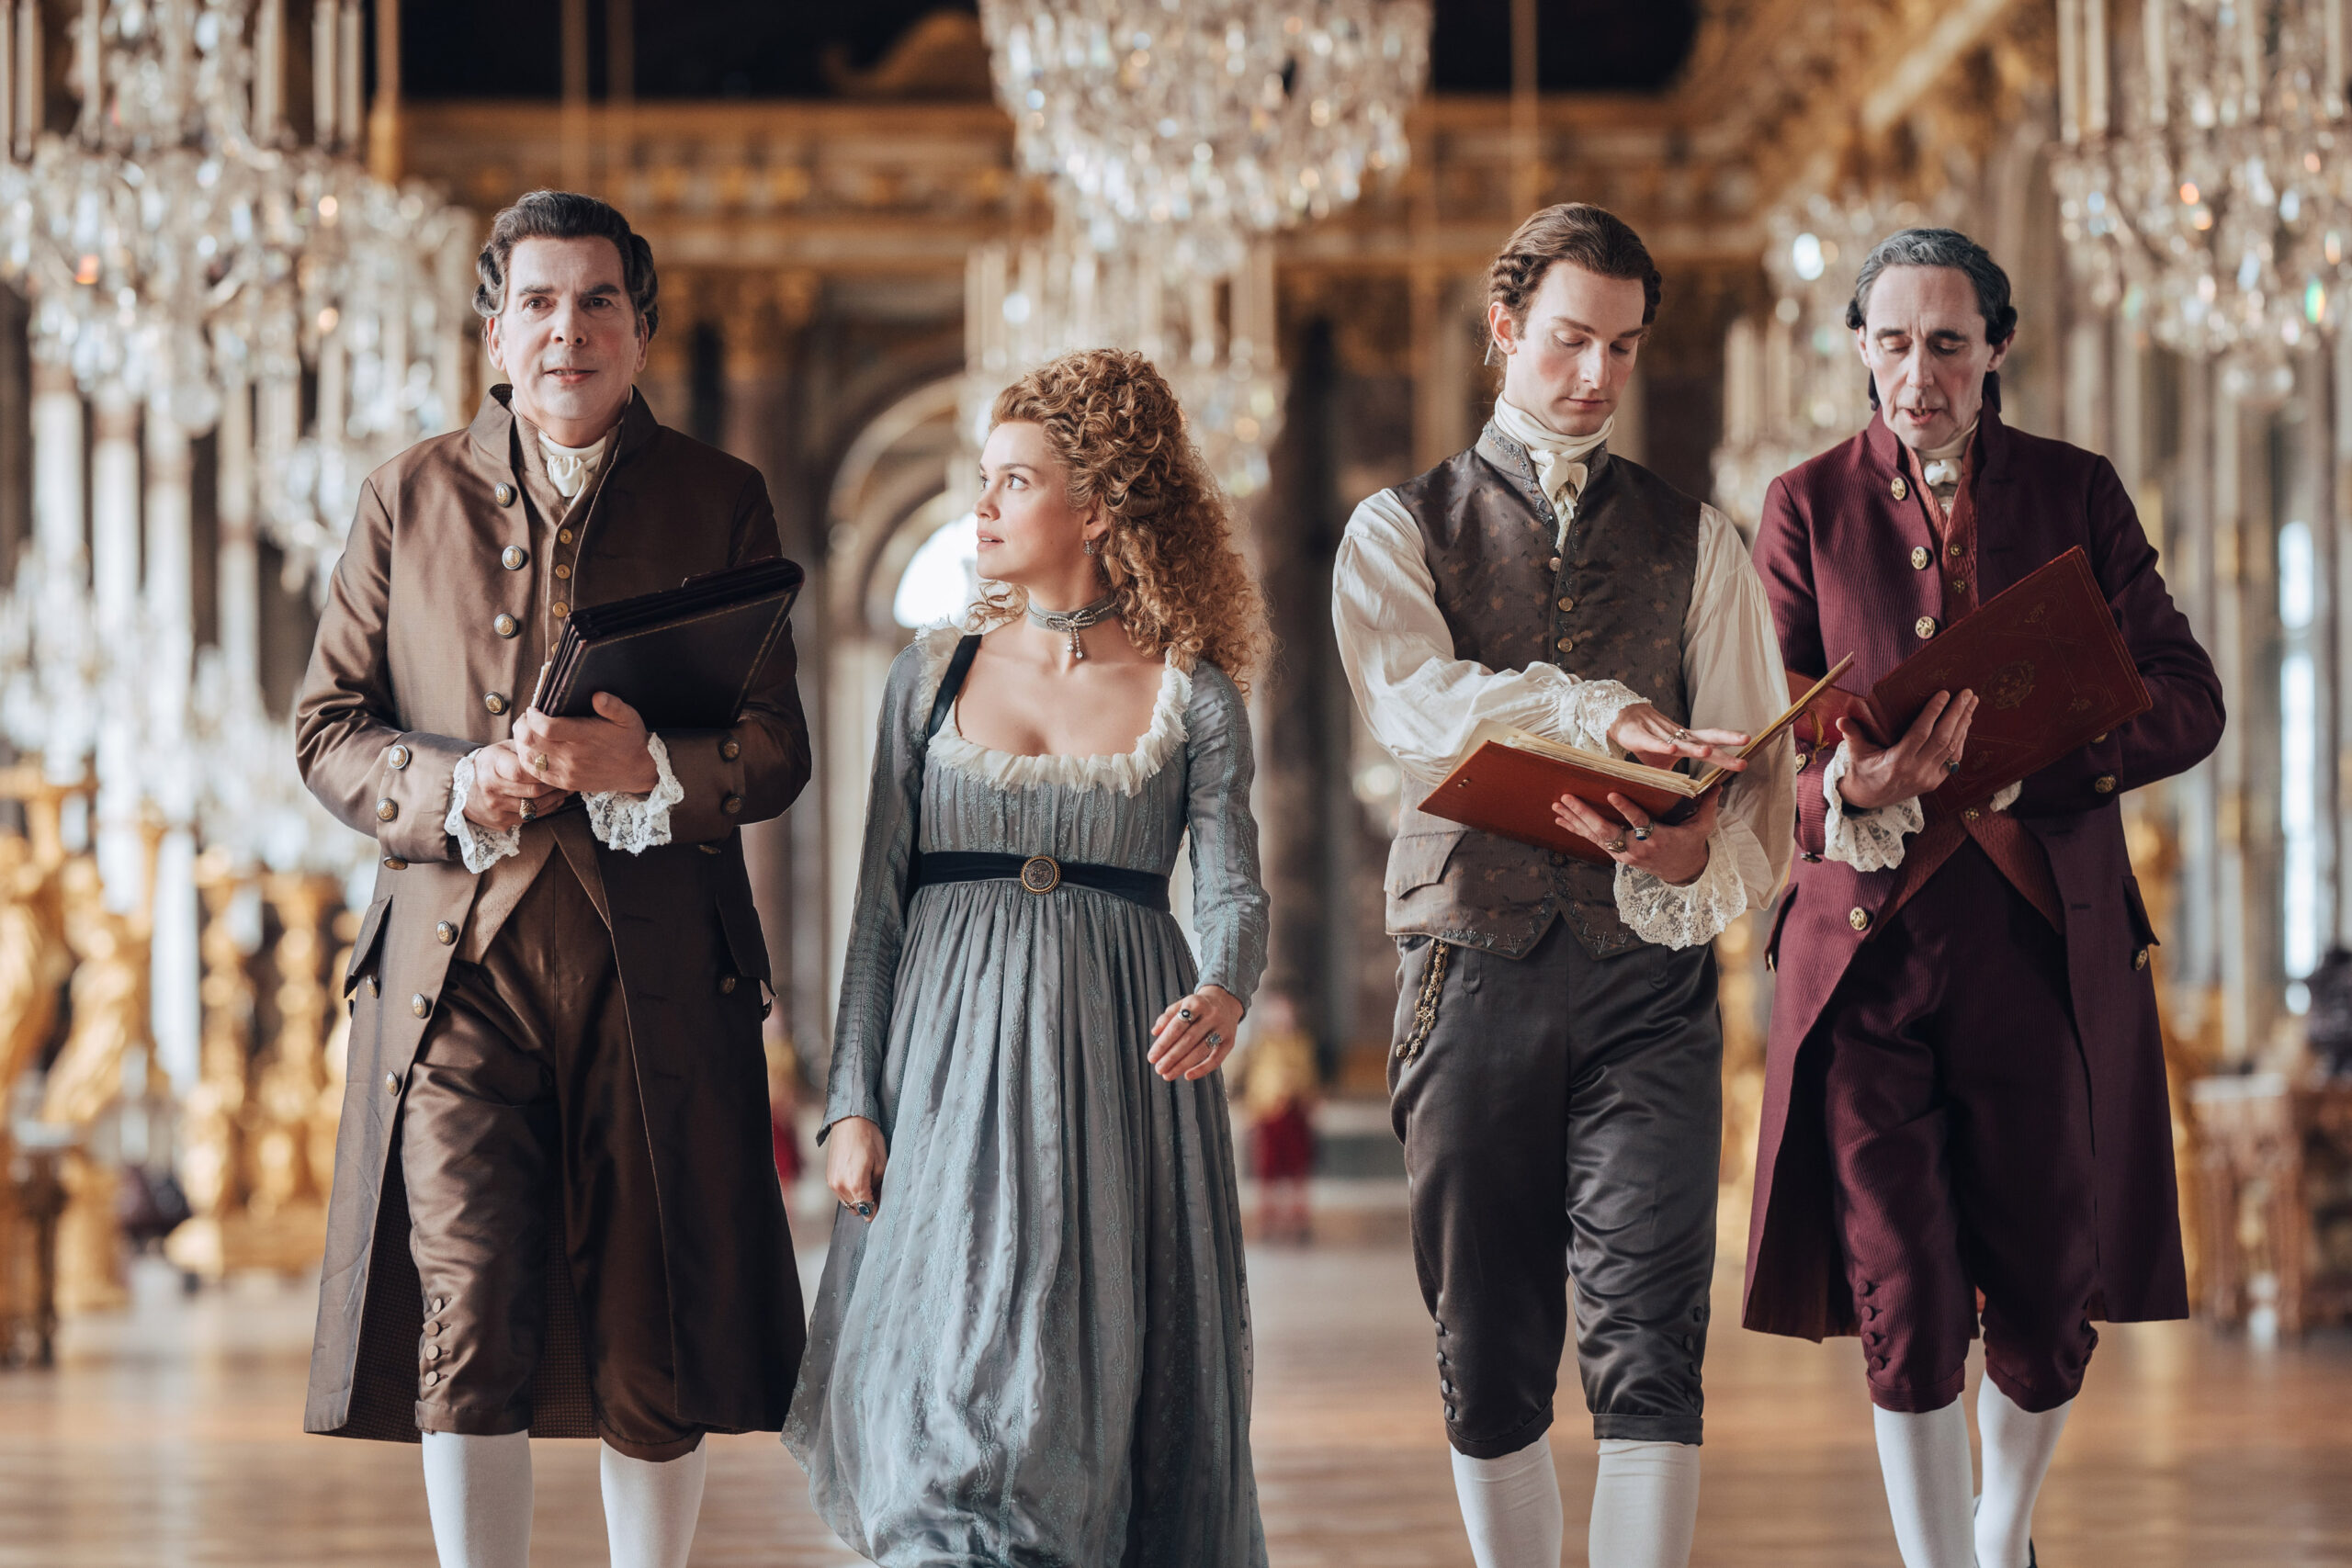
(651, 1508)
(1925, 1460)
(2018, 1449)
(1645, 1505)
(479, 1491)
(1511, 1507)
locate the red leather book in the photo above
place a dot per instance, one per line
(1509, 778)
(2050, 670)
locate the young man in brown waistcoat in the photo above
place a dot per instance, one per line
(1556, 1072)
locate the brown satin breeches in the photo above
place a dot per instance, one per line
(523, 1138)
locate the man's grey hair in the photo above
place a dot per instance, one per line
(1940, 247)
(567, 214)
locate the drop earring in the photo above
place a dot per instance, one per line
(1090, 546)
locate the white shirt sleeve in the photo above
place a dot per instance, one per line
(1731, 665)
(1421, 702)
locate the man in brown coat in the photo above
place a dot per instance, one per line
(554, 1211)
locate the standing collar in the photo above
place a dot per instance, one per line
(494, 426)
(1992, 449)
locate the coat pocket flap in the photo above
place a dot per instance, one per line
(2143, 929)
(1416, 860)
(745, 943)
(371, 938)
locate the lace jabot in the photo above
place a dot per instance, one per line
(1126, 771)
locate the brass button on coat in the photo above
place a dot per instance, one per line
(563, 570)
(392, 1083)
(1925, 626)
(1955, 551)
(494, 701)
(727, 985)
(397, 756)
(732, 806)
(2140, 959)
(386, 809)
(731, 750)
(1899, 488)
(1960, 585)
(504, 493)
(1568, 604)
(444, 933)
(560, 609)
(1971, 814)
(505, 626)
(1859, 917)
(563, 536)
(1565, 645)
(418, 1005)
(1920, 558)
(514, 557)
(2103, 783)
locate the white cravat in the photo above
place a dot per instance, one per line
(570, 468)
(1941, 466)
(1559, 459)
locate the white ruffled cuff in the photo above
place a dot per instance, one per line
(1659, 911)
(479, 847)
(636, 823)
(1872, 841)
(1589, 707)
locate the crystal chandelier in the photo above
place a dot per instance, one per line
(1183, 125)
(1792, 384)
(2213, 210)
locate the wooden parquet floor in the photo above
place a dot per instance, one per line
(170, 1438)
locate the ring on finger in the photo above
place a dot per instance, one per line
(528, 810)
(1615, 845)
(538, 761)
(1951, 764)
(1185, 1013)
(1215, 1038)
(1643, 832)
(1682, 735)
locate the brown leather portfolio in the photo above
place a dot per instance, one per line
(684, 657)
(2048, 668)
(1509, 779)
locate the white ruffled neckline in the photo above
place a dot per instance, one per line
(1126, 771)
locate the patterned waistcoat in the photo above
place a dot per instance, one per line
(1609, 606)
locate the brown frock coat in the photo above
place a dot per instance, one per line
(1846, 563)
(437, 619)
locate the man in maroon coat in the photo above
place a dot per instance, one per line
(1965, 1086)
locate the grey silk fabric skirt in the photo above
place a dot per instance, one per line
(1038, 1352)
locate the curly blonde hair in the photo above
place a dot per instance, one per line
(1183, 589)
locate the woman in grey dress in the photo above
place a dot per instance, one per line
(1031, 1342)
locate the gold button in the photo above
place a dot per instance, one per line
(444, 933)
(504, 493)
(727, 985)
(1960, 585)
(1898, 488)
(1555, 563)
(394, 862)
(1859, 919)
(563, 536)
(2103, 783)
(392, 1083)
(418, 1005)
(1955, 551)
(1566, 644)
(514, 557)
(397, 756)
(1568, 604)
(494, 701)
(731, 750)
(560, 609)
(732, 806)
(505, 626)
(2140, 959)
(1925, 626)
(1971, 814)
(563, 572)
(386, 809)
(1920, 558)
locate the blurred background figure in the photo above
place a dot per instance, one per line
(1278, 1093)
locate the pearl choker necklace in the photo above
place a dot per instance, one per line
(1073, 621)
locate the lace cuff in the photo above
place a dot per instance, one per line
(1589, 707)
(1867, 842)
(636, 823)
(479, 847)
(1659, 911)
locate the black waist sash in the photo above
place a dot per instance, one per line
(1042, 874)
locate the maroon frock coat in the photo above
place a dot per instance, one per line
(1835, 550)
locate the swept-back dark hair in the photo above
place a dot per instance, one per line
(1941, 247)
(568, 215)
